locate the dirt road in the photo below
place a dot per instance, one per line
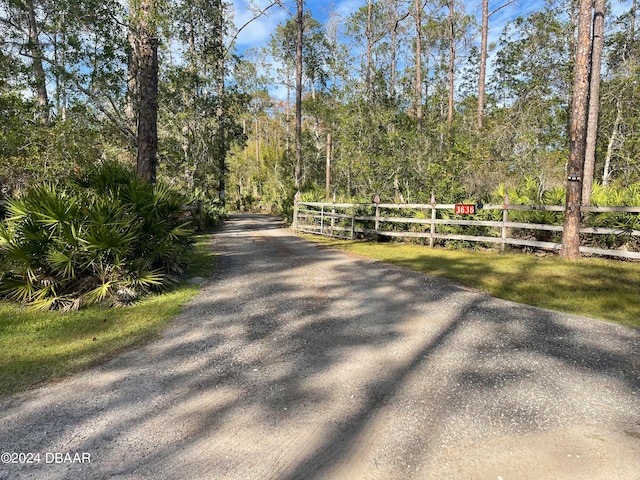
(300, 362)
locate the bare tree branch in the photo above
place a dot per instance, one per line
(506, 4)
(259, 13)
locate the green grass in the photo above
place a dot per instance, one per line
(597, 288)
(39, 346)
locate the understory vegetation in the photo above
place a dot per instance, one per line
(37, 346)
(528, 192)
(394, 100)
(102, 235)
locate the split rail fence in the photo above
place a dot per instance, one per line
(348, 220)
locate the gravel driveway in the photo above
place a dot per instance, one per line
(300, 362)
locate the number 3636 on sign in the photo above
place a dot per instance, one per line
(465, 209)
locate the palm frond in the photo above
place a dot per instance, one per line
(146, 279)
(18, 289)
(62, 263)
(99, 293)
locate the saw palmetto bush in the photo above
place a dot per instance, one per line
(103, 235)
(624, 222)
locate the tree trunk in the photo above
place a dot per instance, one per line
(606, 173)
(131, 107)
(394, 56)
(577, 135)
(594, 101)
(483, 62)
(221, 137)
(327, 175)
(300, 32)
(482, 74)
(148, 108)
(221, 134)
(418, 81)
(39, 76)
(632, 30)
(452, 61)
(369, 48)
(257, 144)
(133, 67)
(59, 48)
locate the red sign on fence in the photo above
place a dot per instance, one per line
(465, 208)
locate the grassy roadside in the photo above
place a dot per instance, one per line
(597, 288)
(39, 346)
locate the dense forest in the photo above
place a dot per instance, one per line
(400, 98)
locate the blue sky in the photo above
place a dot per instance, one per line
(258, 32)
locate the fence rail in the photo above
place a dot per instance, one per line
(347, 220)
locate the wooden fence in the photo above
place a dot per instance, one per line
(347, 220)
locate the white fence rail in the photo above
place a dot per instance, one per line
(347, 220)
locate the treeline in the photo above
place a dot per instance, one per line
(95, 206)
(400, 98)
(141, 82)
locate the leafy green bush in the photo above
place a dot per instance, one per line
(205, 211)
(531, 192)
(607, 196)
(102, 235)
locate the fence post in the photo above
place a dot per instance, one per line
(333, 213)
(295, 217)
(296, 199)
(353, 222)
(376, 200)
(322, 220)
(432, 230)
(505, 219)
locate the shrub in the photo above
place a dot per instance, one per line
(531, 192)
(613, 195)
(206, 212)
(103, 235)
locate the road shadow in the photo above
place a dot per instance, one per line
(298, 361)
